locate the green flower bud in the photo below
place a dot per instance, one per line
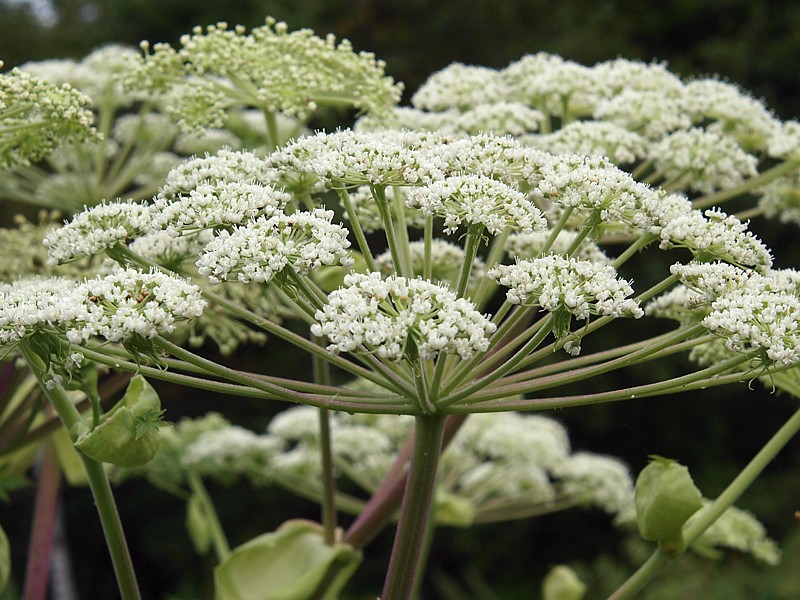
(561, 583)
(127, 435)
(665, 499)
(287, 564)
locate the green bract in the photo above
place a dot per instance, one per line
(127, 435)
(665, 499)
(562, 583)
(288, 564)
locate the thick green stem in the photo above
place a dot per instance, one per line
(415, 510)
(708, 517)
(98, 483)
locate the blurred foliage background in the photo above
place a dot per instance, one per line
(754, 43)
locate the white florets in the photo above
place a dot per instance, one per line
(261, 249)
(716, 236)
(217, 204)
(567, 287)
(477, 200)
(399, 317)
(702, 160)
(97, 229)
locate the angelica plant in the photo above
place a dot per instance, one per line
(456, 272)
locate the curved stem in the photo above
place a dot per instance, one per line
(779, 170)
(218, 539)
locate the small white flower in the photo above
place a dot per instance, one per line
(399, 317)
(702, 160)
(593, 138)
(651, 113)
(97, 229)
(261, 249)
(477, 200)
(567, 287)
(530, 245)
(217, 204)
(716, 236)
(459, 86)
(603, 481)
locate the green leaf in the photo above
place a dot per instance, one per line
(287, 564)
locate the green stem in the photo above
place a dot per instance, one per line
(415, 509)
(328, 500)
(355, 227)
(379, 194)
(470, 251)
(218, 539)
(709, 516)
(98, 483)
(272, 129)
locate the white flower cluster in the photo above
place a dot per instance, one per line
(780, 199)
(702, 160)
(349, 158)
(97, 229)
(99, 74)
(593, 138)
(739, 530)
(37, 116)
(458, 86)
(477, 200)
(498, 118)
(223, 166)
(716, 236)
(115, 307)
(650, 113)
(446, 261)
(598, 480)
(398, 317)
(270, 68)
(734, 113)
(567, 287)
(498, 466)
(261, 249)
(215, 205)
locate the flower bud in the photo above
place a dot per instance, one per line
(561, 583)
(665, 499)
(127, 435)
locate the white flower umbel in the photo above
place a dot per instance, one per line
(593, 138)
(700, 160)
(217, 204)
(224, 166)
(459, 86)
(650, 113)
(780, 199)
(352, 158)
(733, 111)
(261, 249)
(136, 303)
(98, 229)
(598, 480)
(710, 280)
(765, 321)
(37, 116)
(567, 287)
(716, 236)
(476, 200)
(398, 317)
(48, 305)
